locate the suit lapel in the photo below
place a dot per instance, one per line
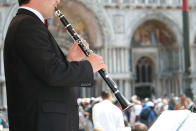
(56, 46)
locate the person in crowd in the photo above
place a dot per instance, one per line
(137, 109)
(182, 104)
(90, 111)
(41, 81)
(172, 104)
(188, 102)
(82, 120)
(158, 107)
(147, 115)
(194, 100)
(4, 117)
(165, 105)
(106, 115)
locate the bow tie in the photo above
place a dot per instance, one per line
(46, 23)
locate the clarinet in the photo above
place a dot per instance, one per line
(192, 108)
(125, 104)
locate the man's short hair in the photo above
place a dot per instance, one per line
(105, 94)
(98, 129)
(21, 2)
(139, 127)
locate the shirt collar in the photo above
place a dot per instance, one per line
(107, 101)
(38, 14)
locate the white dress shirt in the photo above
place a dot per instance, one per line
(108, 116)
(39, 15)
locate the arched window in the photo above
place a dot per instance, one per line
(144, 70)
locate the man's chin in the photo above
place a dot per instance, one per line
(50, 16)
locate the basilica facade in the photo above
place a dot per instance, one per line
(141, 42)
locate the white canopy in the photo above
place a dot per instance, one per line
(180, 120)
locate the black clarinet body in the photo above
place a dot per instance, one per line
(125, 104)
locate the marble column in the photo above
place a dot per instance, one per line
(4, 97)
(127, 89)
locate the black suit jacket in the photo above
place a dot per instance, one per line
(40, 81)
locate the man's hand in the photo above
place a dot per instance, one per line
(96, 62)
(75, 53)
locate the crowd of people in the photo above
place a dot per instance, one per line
(139, 118)
(3, 118)
(143, 114)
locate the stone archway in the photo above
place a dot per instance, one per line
(83, 21)
(153, 32)
(156, 41)
(158, 17)
(101, 15)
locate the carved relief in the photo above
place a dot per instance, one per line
(118, 23)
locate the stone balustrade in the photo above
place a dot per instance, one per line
(148, 3)
(137, 3)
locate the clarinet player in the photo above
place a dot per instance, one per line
(40, 80)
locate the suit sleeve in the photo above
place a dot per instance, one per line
(37, 52)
